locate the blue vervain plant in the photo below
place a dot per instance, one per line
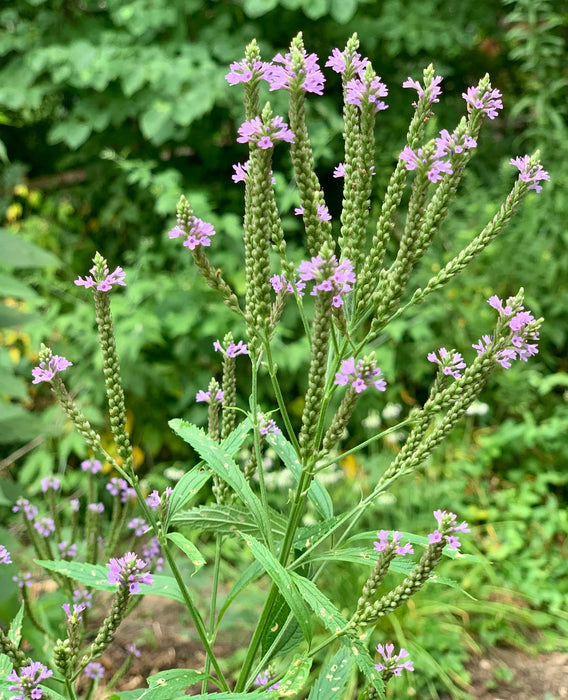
(357, 292)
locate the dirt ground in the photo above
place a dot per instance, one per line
(507, 674)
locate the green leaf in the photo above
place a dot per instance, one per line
(95, 575)
(15, 635)
(292, 636)
(296, 676)
(10, 286)
(188, 548)
(343, 10)
(228, 520)
(319, 603)
(333, 676)
(19, 253)
(3, 153)
(223, 465)
(70, 132)
(250, 574)
(316, 493)
(257, 8)
(358, 651)
(165, 685)
(185, 489)
(283, 579)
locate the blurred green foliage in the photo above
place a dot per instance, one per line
(110, 110)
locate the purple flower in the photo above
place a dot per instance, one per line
(127, 571)
(75, 614)
(153, 500)
(432, 92)
(298, 211)
(323, 214)
(91, 465)
(359, 376)
(359, 92)
(453, 143)
(266, 425)
(232, 350)
(329, 275)
(139, 525)
(94, 670)
(383, 543)
(339, 170)
(152, 551)
(244, 72)
(530, 173)
(262, 679)
(96, 507)
(118, 485)
(50, 482)
(264, 135)
(45, 371)
(29, 510)
(425, 162)
(83, 596)
(5, 557)
(310, 78)
(200, 233)
(205, 396)
(45, 526)
(74, 505)
(67, 550)
(24, 580)
(489, 102)
(338, 62)
(133, 649)
(392, 664)
(450, 362)
(28, 680)
(446, 523)
(241, 173)
(279, 283)
(106, 284)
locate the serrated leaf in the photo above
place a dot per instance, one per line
(165, 685)
(292, 635)
(216, 457)
(226, 519)
(19, 253)
(283, 579)
(316, 493)
(319, 603)
(189, 549)
(296, 676)
(358, 651)
(333, 676)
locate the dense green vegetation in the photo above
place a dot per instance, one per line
(110, 110)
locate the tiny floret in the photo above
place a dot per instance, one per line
(105, 284)
(329, 275)
(199, 233)
(360, 92)
(338, 62)
(245, 71)
(309, 79)
(232, 350)
(94, 670)
(383, 543)
(205, 396)
(27, 681)
(450, 362)
(391, 664)
(264, 135)
(532, 173)
(359, 376)
(5, 557)
(432, 92)
(489, 102)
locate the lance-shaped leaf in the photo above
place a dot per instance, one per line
(189, 549)
(333, 676)
(296, 677)
(358, 651)
(225, 519)
(283, 579)
(319, 603)
(224, 466)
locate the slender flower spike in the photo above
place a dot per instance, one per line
(74, 614)
(103, 283)
(529, 172)
(450, 362)
(28, 680)
(446, 524)
(359, 376)
(267, 425)
(395, 536)
(264, 135)
(361, 91)
(433, 91)
(5, 557)
(392, 665)
(329, 275)
(488, 102)
(47, 369)
(127, 571)
(310, 79)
